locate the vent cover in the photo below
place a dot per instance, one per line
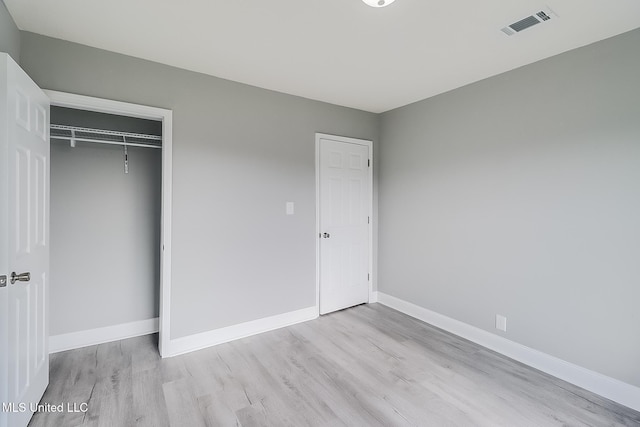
(543, 15)
(528, 22)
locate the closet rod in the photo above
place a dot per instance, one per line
(101, 136)
(126, 144)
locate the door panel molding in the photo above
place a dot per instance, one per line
(369, 145)
(24, 250)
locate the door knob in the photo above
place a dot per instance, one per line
(327, 235)
(22, 277)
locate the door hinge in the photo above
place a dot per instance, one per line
(368, 277)
(368, 162)
(3, 281)
(368, 220)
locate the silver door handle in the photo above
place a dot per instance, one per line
(22, 277)
(327, 235)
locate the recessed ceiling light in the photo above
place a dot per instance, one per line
(378, 3)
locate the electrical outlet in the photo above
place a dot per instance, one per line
(501, 322)
(290, 208)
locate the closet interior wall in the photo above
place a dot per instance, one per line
(105, 226)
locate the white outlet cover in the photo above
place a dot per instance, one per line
(290, 208)
(501, 323)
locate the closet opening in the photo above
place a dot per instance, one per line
(109, 227)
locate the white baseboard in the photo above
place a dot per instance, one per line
(230, 333)
(89, 337)
(373, 297)
(611, 388)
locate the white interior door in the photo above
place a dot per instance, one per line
(345, 210)
(24, 237)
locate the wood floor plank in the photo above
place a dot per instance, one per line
(368, 367)
(365, 366)
(149, 405)
(182, 405)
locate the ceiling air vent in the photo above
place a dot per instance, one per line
(529, 21)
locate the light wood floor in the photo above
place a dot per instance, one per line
(366, 366)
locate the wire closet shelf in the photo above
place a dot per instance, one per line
(75, 134)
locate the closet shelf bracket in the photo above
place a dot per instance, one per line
(126, 160)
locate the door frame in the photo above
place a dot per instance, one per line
(348, 140)
(69, 100)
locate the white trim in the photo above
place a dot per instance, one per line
(89, 337)
(317, 166)
(69, 100)
(241, 330)
(611, 388)
(374, 297)
(369, 145)
(164, 337)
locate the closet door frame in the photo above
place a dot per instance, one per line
(81, 102)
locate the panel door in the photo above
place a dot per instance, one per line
(345, 200)
(25, 238)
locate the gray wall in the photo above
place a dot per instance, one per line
(9, 34)
(105, 227)
(240, 153)
(105, 237)
(520, 195)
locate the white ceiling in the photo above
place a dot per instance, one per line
(337, 51)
